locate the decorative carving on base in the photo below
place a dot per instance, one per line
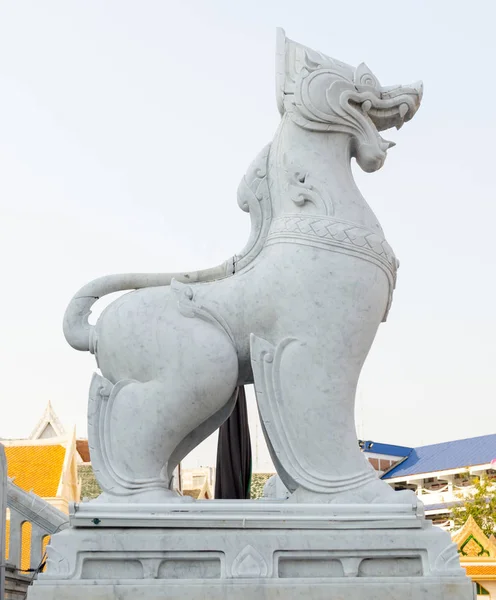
(260, 549)
(249, 563)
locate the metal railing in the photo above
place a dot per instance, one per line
(443, 495)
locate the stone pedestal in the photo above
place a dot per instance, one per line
(251, 550)
(16, 583)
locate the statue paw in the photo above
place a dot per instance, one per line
(376, 492)
(371, 492)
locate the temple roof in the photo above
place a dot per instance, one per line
(456, 454)
(36, 467)
(387, 449)
(45, 466)
(472, 541)
(83, 450)
(48, 426)
(481, 572)
(477, 551)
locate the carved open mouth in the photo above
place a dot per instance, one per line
(390, 107)
(377, 109)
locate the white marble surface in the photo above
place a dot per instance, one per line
(289, 589)
(296, 311)
(227, 514)
(275, 489)
(342, 550)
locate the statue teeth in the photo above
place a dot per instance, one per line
(366, 106)
(403, 110)
(386, 145)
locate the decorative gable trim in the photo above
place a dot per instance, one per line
(49, 419)
(471, 538)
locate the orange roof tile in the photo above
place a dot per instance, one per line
(37, 468)
(481, 570)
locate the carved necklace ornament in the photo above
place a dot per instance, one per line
(338, 236)
(342, 235)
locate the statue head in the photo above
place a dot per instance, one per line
(323, 94)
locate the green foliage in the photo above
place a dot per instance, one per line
(480, 503)
(89, 485)
(257, 484)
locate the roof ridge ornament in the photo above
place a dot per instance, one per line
(49, 418)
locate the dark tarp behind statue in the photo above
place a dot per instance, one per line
(233, 474)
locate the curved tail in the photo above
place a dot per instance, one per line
(77, 329)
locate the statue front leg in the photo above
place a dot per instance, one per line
(306, 405)
(307, 408)
(306, 365)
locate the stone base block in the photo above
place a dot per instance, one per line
(248, 551)
(16, 584)
(289, 589)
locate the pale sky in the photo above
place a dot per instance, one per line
(125, 127)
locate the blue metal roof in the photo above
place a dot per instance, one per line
(448, 455)
(388, 449)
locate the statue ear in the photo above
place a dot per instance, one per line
(365, 77)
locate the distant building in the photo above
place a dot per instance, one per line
(56, 466)
(478, 556)
(383, 456)
(198, 483)
(49, 425)
(440, 474)
(46, 464)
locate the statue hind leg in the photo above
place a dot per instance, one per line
(120, 449)
(139, 431)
